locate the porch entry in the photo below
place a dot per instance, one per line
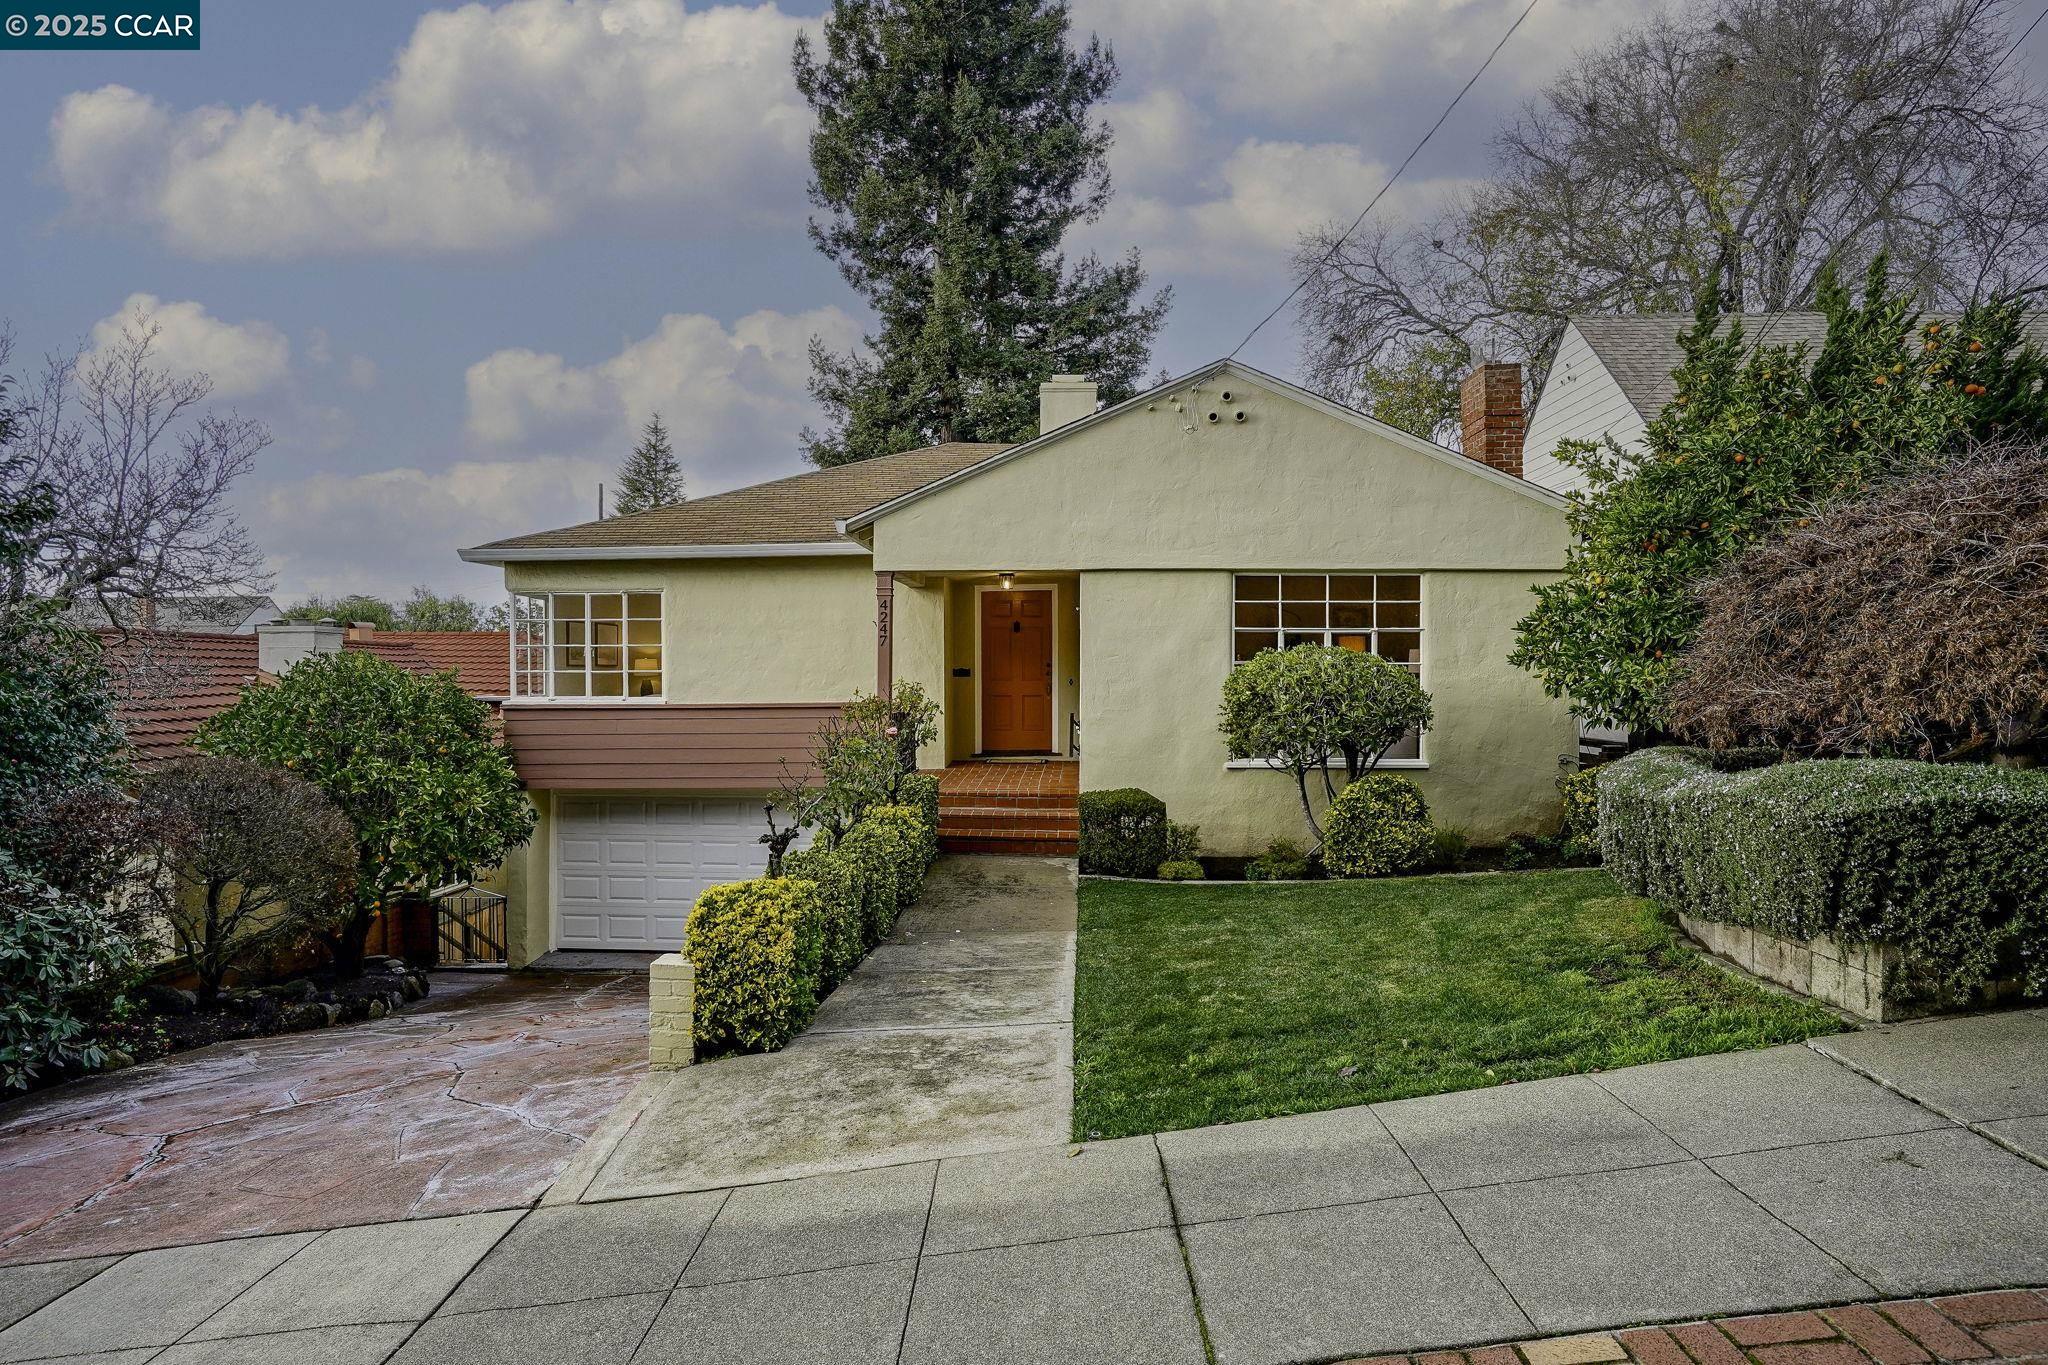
(1016, 711)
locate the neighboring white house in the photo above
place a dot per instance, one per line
(1611, 375)
(238, 614)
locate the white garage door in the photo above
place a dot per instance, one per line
(629, 867)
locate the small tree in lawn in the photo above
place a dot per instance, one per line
(858, 759)
(243, 857)
(411, 760)
(1300, 710)
(650, 477)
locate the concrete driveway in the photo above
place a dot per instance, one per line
(954, 1036)
(474, 1099)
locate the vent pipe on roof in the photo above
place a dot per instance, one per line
(1064, 398)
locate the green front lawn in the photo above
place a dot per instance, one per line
(1199, 1005)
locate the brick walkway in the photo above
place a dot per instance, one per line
(2003, 1325)
(1056, 777)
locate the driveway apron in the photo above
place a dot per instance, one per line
(954, 1036)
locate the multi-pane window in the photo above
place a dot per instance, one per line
(1373, 613)
(572, 645)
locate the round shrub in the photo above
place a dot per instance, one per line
(1123, 832)
(56, 951)
(1283, 861)
(1181, 870)
(1377, 826)
(832, 871)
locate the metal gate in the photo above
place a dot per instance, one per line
(469, 925)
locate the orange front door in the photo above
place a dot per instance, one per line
(1016, 671)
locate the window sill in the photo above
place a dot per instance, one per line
(1255, 765)
(584, 701)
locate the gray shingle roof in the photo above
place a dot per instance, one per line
(1642, 350)
(801, 509)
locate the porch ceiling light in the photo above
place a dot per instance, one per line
(1009, 577)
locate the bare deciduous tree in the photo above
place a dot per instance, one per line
(139, 471)
(1727, 152)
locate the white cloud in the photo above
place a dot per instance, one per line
(1242, 215)
(734, 399)
(496, 126)
(384, 531)
(242, 358)
(1318, 61)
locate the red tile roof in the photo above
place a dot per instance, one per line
(167, 682)
(481, 658)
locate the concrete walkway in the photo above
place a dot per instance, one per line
(954, 1036)
(475, 1098)
(1717, 1185)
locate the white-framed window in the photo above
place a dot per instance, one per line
(1372, 613)
(576, 646)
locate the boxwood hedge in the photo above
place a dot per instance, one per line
(1948, 862)
(1123, 832)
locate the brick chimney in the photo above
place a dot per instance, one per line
(1064, 398)
(1490, 411)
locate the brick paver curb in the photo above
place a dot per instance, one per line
(2002, 1325)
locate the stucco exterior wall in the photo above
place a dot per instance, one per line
(528, 884)
(743, 630)
(1157, 645)
(1293, 486)
(919, 655)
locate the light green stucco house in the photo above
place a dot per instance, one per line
(1078, 598)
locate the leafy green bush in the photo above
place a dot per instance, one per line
(1448, 846)
(834, 872)
(1377, 826)
(887, 868)
(1123, 832)
(1183, 842)
(757, 947)
(1181, 870)
(57, 955)
(1948, 862)
(920, 791)
(1581, 792)
(910, 836)
(1283, 861)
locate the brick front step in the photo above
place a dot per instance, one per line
(1983, 1329)
(1011, 846)
(969, 819)
(1008, 801)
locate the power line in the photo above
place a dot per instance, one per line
(1413, 153)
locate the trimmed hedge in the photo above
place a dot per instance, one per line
(767, 951)
(1123, 832)
(1580, 789)
(1377, 826)
(920, 792)
(1947, 862)
(757, 947)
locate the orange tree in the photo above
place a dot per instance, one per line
(1756, 438)
(412, 761)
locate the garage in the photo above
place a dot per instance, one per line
(629, 866)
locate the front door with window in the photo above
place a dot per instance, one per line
(1016, 671)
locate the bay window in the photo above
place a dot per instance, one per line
(1372, 613)
(576, 646)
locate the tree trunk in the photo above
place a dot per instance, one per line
(350, 942)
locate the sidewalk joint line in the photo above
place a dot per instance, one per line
(1930, 1106)
(1187, 1262)
(931, 1199)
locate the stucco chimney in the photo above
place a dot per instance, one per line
(280, 644)
(1490, 412)
(1062, 399)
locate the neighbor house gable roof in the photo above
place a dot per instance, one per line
(1641, 351)
(480, 659)
(1210, 371)
(796, 515)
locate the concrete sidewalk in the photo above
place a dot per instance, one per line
(1716, 1185)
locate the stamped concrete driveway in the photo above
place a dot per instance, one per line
(474, 1099)
(954, 1036)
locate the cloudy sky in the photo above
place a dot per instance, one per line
(454, 255)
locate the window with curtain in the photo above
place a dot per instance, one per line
(1372, 613)
(570, 646)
